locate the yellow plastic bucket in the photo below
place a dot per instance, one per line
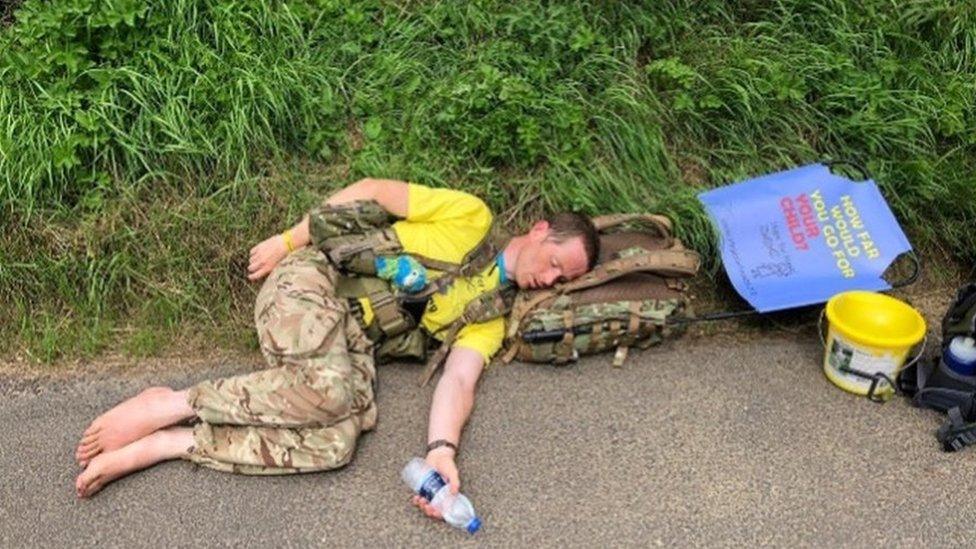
(869, 337)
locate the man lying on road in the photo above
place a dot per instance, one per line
(321, 329)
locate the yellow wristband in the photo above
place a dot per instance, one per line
(289, 243)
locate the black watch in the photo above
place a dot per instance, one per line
(441, 442)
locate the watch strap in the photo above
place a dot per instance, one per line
(442, 442)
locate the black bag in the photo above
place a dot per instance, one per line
(932, 384)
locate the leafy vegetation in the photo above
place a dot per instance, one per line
(145, 147)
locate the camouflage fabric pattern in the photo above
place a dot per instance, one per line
(249, 450)
(328, 221)
(602, 326)
(353, 234)
(306, 411)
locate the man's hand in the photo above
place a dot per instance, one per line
(441, 459)
(265, 256)
(390, 194)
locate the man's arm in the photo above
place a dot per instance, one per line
(388, 193)
(449, 412)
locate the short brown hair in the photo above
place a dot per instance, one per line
(564, 226)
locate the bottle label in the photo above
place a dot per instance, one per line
(431, 485)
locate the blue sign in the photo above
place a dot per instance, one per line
(800, 236)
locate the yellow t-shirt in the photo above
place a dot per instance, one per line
(446, 224)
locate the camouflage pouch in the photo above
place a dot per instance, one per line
(626, 300)
(353, 234)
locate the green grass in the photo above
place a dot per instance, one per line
(145, 147)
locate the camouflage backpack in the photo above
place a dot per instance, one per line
(627, 299)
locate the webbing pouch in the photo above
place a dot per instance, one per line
(388, 315)
(353, 234)
(411, 345)
(357, 253)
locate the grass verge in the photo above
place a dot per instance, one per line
(144, 148)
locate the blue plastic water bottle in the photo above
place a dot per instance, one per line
(430, 485)
(960, 355)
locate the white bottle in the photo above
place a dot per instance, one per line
(426, 482)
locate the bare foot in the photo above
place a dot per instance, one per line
(150, 450)
(150, 410)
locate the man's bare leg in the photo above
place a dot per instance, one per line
(141, 415)
(159, 446)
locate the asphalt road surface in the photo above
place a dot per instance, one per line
(718, 442)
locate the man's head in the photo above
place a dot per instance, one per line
(561, 247)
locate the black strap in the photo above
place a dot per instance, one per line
(908, 380)
(916, 269)
(956, 434)
(832, 164)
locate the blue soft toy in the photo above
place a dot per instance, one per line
(403, 271)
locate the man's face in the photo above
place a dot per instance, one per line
(544, 262)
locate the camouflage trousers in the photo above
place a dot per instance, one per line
(306, 411)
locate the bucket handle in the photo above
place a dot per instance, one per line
(876, 378)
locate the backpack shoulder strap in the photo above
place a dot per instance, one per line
(675, 262)
(487, 306)
(662, 225)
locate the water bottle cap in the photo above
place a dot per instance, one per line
(960, 356)
(964, 347)
(474, 525)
